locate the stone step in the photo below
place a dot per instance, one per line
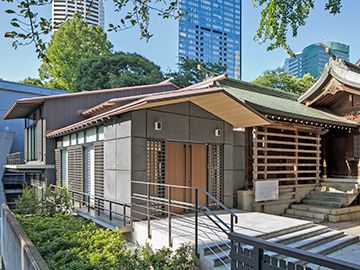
(340, 185)
(312, 208)
(223, 267)
(214, 247)
(299, 235)
(330, 194)
(323, 203)
(218, 259)
(304, 218)
(330, 247)
(286, 231)
(341, 180)
(334, 190)
(304, 213)
(317, 240)
(321, 197)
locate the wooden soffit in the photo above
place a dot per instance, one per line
(221, 104)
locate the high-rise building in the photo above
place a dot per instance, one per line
(210, 30)
(313, 58)
(92, 11)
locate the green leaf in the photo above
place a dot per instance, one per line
(9, 11)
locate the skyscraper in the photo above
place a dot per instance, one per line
(211, 31)
(92, 11)
(313, 58)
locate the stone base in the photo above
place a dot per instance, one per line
(344, 214)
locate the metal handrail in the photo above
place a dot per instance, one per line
(192, 188)
(197, 208)
(97, 207)
(16, 158)
(260, 246)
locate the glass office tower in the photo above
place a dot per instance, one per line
(211, 31)
(313, 58)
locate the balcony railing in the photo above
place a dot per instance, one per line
(15, 158)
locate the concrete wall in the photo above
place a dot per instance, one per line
(117, 159)
(17, 250)
(183, 122)
(239, 161)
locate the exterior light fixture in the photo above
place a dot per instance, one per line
(217, 132)
(158, 125)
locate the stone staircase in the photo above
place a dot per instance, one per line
(311, 237)
(331, 194)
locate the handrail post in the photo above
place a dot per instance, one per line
(232, 222)
(124, 214)
(110, 210)
(196, 222)
(73, 198)
(148, 210)
(88, 202)
(98, 206)
(169, 215)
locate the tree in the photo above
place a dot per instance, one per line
(277, 17)
(32, 81)
(116, 70)
(74, 41)
(278, 78)
(189, 73)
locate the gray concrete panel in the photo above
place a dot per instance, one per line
(123, 128)
(239, 138)
(123, 154)
(174, 126)
(203, 130)
(110, 184)
(228, 183)
(123, 190)
(109, 155)
(228, 157)
(239, 158)
(138, 123)
(138, 176)
(239, 179)
(138, 155)
(228, 133)
(109, 131)
(200, 112)
(179, 108)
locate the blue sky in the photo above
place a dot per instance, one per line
(162, 48)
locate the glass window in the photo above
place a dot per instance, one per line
(101, 133)
(66, 141)
(73, 139)
(90, 135)
(80, 137)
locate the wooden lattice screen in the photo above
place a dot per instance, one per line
(215, 161)
(99, 170)
(288, 154)
(75, 168)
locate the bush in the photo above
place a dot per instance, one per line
(49, 201)
(69, 242)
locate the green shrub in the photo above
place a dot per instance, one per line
(69, 242)
(48, 201)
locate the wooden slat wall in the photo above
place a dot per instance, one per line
(76, 168)
(99, 169)
(58, 165)
(40, 140)
(288, 154)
